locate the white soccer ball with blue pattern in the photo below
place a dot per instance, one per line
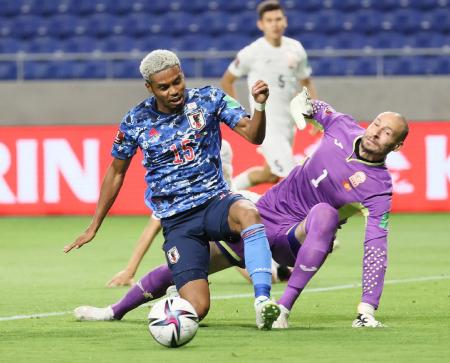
(173, 322)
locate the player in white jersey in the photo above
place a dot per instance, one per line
(282, 62)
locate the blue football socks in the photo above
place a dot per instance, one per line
(258, 258)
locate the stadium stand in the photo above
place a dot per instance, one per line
(97, 27)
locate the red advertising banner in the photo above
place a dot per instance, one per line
(58, 169)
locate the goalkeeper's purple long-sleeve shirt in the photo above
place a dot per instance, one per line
(335, 175)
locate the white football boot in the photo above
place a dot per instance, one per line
(366, 317)
(283, 320)
(94, 314)
(267, 311)
(301, 107)
(366, 321)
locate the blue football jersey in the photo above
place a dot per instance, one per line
(181, 152)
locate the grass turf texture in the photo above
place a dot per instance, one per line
(36, 277)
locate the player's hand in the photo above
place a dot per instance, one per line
(86, 237)
(260, 91)
(122, 278)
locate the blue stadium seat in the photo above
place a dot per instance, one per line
(38, 70)
(190, 66)
(329, 21)
(66, 25)
(12, 45)
(404, 20)
(152, 42)
(306, 5)
(194, 7)
(214, 68)
(426, 4)
(102, 25)
(427, 39)
(45, 45)
(385, 40)
(231, 42)
(313, 41)
(28, 26)
(138, 24)
(404, 66)
(329, 67)
(365, 20)
(441, 65)
(83, 44)
(215, 22)
(386, 5)
(243, 23)
(193, 42)
(86, 69)
(346, 6)
(233, 6)
(10, 8)
(126, 69)
(120, 7)
(120, 43)
(439, 19)
(347, 40)
(361, 66)
(8, 70)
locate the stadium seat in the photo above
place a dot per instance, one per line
(83, 44)
(45, 45)
(427, 4)
(38, 70)
(313, 41)
(66, 25)
(386, 5)
(365, 20)
(427, 39)
(404, 20)
(8, 70)
(151, 42)
(361, 66)
(215, 67)
(126, 69)
(191, 67)
(120, 43)
(9, 8)
(347, 40)
(102, 25)
(306, 5)
(439, 19)
(329, 21)
(88, 70)
(231, 42)
(194, 7)
(216, 22)
(405, 66)
(11, 45)
(193, 42)
(386, 40)
(28, 26)
(346, 6)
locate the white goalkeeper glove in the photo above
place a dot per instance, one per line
(301, 107)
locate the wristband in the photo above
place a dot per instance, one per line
(260, 106)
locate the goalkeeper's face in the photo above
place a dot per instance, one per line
(385, 134)
(168, 88)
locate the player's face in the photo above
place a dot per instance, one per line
(168, 87)
(273, 24)
(382, 136)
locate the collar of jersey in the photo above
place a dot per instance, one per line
(350, 158)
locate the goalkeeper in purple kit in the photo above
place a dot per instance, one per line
(347, 173)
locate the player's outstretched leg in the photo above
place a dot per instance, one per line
(151, 286)
(321, 225)
(258, 260)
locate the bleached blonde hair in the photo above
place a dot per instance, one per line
(157, 61)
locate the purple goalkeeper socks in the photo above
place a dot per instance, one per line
(151, 286)
(321, 225)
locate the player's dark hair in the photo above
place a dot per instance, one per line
(268, 5)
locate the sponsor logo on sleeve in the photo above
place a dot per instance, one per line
(119, 137)
(384, 221)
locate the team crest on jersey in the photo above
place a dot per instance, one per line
(197, 120)
(173, 255)
(358, 178)
(346, 185)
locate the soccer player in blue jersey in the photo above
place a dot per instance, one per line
(178, 131)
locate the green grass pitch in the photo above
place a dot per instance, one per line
(37, 278)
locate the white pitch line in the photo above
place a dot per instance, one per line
(239, 296)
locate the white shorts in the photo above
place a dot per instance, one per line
(277, 150)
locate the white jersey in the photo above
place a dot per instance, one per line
(281, 67)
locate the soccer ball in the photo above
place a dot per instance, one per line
(173, 322)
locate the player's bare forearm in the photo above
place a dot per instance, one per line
(254, 129)
(109, 190)
(227, 84)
